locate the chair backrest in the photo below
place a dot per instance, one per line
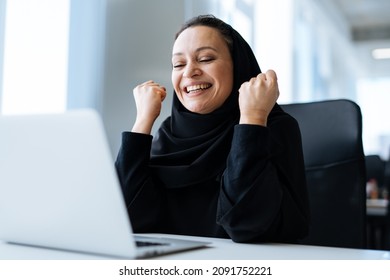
(375, 169)
(335, 171)
(387, 175)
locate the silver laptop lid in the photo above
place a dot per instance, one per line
(57, 178)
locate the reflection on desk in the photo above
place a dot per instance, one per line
(377, 207)
(219, 249)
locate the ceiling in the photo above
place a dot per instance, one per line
(369, 26)
(368, 19)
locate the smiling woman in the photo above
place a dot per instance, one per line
(35, 56)
(228, 162)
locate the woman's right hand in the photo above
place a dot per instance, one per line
(257, 98)
(148, 98)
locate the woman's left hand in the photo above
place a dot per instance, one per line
(257, 98)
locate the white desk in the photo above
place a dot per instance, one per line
(377, 207)
(219, 249)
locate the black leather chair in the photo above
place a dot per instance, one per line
(375, 168)
(335, 171)
(387, 175)
(378, 227)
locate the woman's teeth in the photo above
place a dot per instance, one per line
(197, 87)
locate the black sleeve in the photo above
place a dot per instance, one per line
(263, 193)
(143, 199)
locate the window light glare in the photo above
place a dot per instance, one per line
(381, 53)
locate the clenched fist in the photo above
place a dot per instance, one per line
(257, 98)
(148, 100)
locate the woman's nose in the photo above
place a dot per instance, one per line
(191, 70)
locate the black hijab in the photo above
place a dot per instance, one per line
(191, 148)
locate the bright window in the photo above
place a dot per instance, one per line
(374, 100)
(35, 69)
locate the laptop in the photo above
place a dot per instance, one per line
(59, 189)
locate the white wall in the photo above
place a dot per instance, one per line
(274, 42)
(2, 28)
(86, 53)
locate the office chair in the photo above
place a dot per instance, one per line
(375, 169)
(335, 171)
(377, 226)
(386, 180)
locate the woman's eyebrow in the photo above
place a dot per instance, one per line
(197, 50)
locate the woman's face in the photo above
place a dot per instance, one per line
(202, 74)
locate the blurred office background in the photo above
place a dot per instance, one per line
(58, 55)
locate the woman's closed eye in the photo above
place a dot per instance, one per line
(206, 59)
(178, 65)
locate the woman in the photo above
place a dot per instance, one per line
(228, 161)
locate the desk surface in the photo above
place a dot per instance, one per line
(377, 207)
(219, 249)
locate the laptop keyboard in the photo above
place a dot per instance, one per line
(146, 243)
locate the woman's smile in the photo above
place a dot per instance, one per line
(197, 88)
